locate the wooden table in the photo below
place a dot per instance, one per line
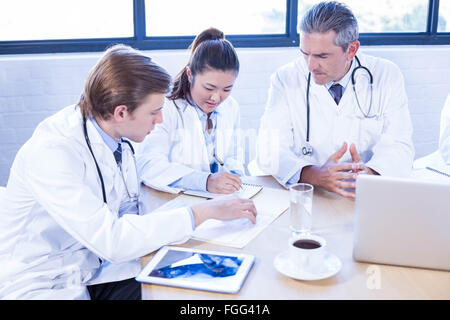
(333, 220)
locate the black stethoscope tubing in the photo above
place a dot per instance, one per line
(88, 142)
(308, 150)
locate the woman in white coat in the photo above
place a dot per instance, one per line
(311, 133)
(197, 146)
(70, 227)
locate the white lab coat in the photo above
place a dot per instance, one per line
(439, 159)
(384, 142)
(54, 225)
(176, 147)
(444, 134)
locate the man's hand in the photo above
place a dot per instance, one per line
(334, 176)
(226, 208)
(357, 159)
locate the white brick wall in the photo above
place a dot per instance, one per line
(33, 87)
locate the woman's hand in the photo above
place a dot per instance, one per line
(223, 182)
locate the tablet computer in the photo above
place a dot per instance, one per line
(197, 269)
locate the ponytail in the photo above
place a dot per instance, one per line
(209, 50)
(206, 35)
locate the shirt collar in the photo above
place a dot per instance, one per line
(109, 141)
(345, 80)
(200, 111)
(201, 114)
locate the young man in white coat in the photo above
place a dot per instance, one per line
(324, 121)
(70, 226)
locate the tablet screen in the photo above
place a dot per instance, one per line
(176, 264)
(197, 269)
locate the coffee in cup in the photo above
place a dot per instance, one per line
(307, 251)
(307, 244)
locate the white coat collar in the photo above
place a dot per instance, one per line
(192, 124)
(303, 68)
(68, 123)
(345, 79)
(110, 141)
(101, 151)
(190, 116)
(322, 90)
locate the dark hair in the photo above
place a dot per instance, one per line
(209, 50)
(122, 76)
(331, 15)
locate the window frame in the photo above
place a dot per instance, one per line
(289, 39)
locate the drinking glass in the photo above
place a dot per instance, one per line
(301, 197)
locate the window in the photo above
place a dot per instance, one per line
(397, 22)
(384, 15)
(30, 26)
(252, 17)
(444, 16)
(69, 19)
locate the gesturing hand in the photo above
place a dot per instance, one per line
(334, 176)
(356, 158)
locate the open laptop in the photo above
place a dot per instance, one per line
(402, 222)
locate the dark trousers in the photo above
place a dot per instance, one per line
(128, 289)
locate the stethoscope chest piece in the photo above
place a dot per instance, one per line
(307, 150)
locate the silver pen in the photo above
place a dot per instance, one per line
(218, 160)
(437, 171)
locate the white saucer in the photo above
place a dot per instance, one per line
(330, 267)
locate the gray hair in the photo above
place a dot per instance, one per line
(331, 15)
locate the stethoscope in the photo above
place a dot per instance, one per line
(88, 142)
(307, 149)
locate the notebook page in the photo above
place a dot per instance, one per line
(247, 192)
(269, 203)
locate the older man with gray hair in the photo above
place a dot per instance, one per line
(332, 114)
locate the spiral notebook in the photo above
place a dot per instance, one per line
(248, 191)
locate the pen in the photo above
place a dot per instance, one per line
(220, 162)
(234, 172)
(437, 171)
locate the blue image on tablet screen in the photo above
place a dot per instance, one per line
(181, 264)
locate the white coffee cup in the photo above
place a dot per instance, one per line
(307, 251)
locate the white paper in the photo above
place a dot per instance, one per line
(269, 203)
(247, 192)
(432, 168)
(161, 187)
